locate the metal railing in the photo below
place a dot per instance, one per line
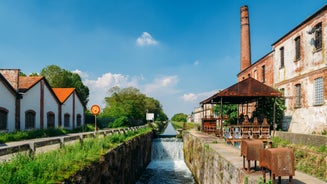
(32, 145)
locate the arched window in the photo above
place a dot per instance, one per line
(66, 120)
(29, 119)
(50, 120)
(79, 120)
(3, 118)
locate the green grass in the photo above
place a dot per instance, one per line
(178, 125)
(55, 166)
(40, 133)
(308, 159)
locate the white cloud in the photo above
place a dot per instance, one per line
(162, 85)
(81, 74)
(192, 97)
(99, 88)
(162, 88)
(196, 63)
(146, 39)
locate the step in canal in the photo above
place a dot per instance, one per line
(167, 161)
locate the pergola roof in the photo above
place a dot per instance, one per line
(244, 91)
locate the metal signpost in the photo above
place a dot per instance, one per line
(95, 110)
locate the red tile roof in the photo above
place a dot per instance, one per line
(26, 83)
(63, 93)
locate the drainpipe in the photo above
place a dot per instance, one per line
(274, 116)
(221, 116)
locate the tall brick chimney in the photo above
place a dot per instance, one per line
(245, 38)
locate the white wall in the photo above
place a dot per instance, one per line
(8, 104)
(67, 108)
(31, 101)
(50, 105)
(79, 109)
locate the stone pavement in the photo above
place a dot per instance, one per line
(233, 155)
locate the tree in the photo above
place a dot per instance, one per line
(265, 108)
(33, 74)
(60, 78)
(180, 117)
(128, 107)
(230, 110)
(153, 106)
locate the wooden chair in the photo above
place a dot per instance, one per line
(265, 129)
(256, 128)
(246, 129)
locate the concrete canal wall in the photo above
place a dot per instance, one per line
(211, 160)
(303, 139)
(123, 164)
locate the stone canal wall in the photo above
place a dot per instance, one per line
(123, 164)
(207, 165)
(303, 139)
(211, 166)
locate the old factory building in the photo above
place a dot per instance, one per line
(297, 66)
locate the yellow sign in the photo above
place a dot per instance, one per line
(95, 109)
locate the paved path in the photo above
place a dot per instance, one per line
(233, 155)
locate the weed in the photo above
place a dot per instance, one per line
(55, 166)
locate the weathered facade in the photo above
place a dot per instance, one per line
(298, 67)
(300, 72)
(197, 115)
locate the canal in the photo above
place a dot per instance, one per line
(167, 161)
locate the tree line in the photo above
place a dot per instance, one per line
(124, 107)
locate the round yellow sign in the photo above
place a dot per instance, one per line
(95, 109)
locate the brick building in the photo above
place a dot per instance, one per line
(297, 66)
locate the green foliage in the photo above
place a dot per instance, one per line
(261, 181)
(180, 117)
(40, 133)
(119, 122)
(154, 106)
(128, 107)
(265, 108)
(58, 165)
(180, 125)
(61, 78)
(310, 160)
(158, 127)
(33, 74)
(322, 149)
(276, 141)
(230, 110)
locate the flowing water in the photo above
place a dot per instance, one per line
(167, 162)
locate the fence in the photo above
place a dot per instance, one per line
(34, 144)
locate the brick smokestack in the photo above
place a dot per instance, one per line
(245, 38)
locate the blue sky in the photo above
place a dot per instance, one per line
(177, 51)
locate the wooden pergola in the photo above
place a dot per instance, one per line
(246, 91)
